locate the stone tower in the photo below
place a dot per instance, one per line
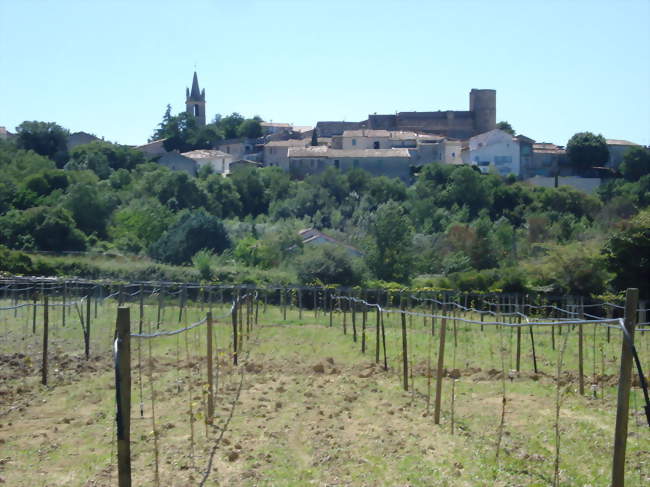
(483, 106)
(195, 102)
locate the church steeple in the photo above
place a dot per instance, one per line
(195, 101)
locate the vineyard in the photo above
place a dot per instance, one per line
(106, 383)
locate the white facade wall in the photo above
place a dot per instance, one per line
(218, 163)
(495, 149)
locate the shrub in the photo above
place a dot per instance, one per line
(192, 232)
(327, 264)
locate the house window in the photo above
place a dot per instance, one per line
(453, 154)
(375, 145)
(228, 150)
(337, 164)
(354, 141)
(196, 110)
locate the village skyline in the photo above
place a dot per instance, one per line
(111, 69)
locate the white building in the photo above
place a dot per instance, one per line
(219, 161)
(495, 150)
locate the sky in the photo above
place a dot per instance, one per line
(110, 67)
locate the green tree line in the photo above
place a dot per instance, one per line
(453, 228)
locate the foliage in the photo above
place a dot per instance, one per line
(250, 128)
(202, 260)
(103, 158)
(586, 150)
(454, 226)
(45, 138)
(327, 264)
(627, 254)
(134, 227)
(390, 241)
(636, 163)
(41, 228)
(506, 127)
(192, 232)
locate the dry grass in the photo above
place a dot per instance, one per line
(312, 410)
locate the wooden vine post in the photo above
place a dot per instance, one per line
(300, 303)
(87, 334)
(363, 329)
(45, 340)
(624, 382)
(377, 325)
(35, 299)
(354, 319)
(234, 333)
(581, 368)
(65, 296)
(518, 361)
(141, 308)
(440, 368)
(405, 363)
(209, 367)
(123, 396)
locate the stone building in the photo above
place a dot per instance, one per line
(393, 163)
(454, 124)
(480, 118)
(617, 149)
(276, 153)
(176, 162)
(195, 101)
(80, 138)
(219, 161)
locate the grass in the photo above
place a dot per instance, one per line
(313, 410)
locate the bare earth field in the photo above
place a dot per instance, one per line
(305, 407)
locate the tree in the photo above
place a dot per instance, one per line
(91, 207)
(251, 191)
(230, 125)
(45, 138)
(627, 254)
(250, 128)
(389, 254)
(586, 150)
(468, 187)
(506, 127)
(327, 264)
(139, 224)
(636, 163)
(41, 228)
(192, 232)
(222, 197)
(175, 189)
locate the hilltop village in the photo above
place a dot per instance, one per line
(393, 145)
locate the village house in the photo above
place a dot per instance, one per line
(500, 152)
(394, 163)
(617, 149)
(177, 162)
(240, 148)
(152, 149)
(276, 153)
(219, 161)
(80, 138)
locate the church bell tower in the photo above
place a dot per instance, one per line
(195, 102)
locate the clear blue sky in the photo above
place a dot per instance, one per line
(109, 67)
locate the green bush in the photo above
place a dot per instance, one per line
(327, 264)
(192, 232)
